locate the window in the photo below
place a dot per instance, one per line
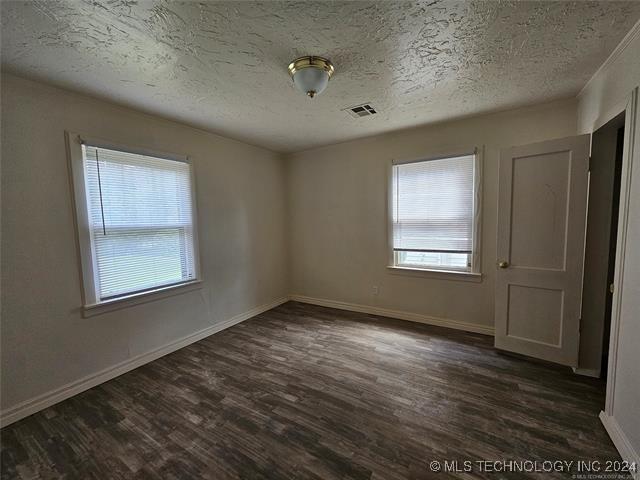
(136, 216)
(435, 213)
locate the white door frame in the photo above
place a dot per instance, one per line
(631, 137)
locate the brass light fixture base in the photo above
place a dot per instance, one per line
(310, 61)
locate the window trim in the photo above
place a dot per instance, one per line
(475, 274)
(435, 274)
(91, 304)
(141, 297)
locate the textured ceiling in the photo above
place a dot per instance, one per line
(221, 66)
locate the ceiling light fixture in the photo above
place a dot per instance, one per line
(311, 74)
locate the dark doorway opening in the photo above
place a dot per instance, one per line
(605, 169)
(613, 236)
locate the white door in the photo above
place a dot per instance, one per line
(542, 204)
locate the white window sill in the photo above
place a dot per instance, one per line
(138, 298)
(436, 274)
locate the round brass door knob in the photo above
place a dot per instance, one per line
(503, 264)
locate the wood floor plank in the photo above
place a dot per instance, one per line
(309, 392)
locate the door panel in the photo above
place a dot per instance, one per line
(542, 307)
(542, 206)
(541, 185)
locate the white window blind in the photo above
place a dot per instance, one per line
(433, 212)
(140, 211)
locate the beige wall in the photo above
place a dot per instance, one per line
(603, 98)
(241, 208)
(338, 223)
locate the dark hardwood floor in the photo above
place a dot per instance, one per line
(315, 393)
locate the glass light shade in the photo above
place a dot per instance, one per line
(311, 81)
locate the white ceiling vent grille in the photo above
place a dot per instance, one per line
(363, 110)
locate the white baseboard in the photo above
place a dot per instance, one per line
(621, 441)
(587, 372)
(52, 397)
(384, 312)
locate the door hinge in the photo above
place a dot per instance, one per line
(611, 288)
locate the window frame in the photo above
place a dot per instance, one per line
(91, 302)
(475, 272)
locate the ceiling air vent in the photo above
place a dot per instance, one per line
(363, 110)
